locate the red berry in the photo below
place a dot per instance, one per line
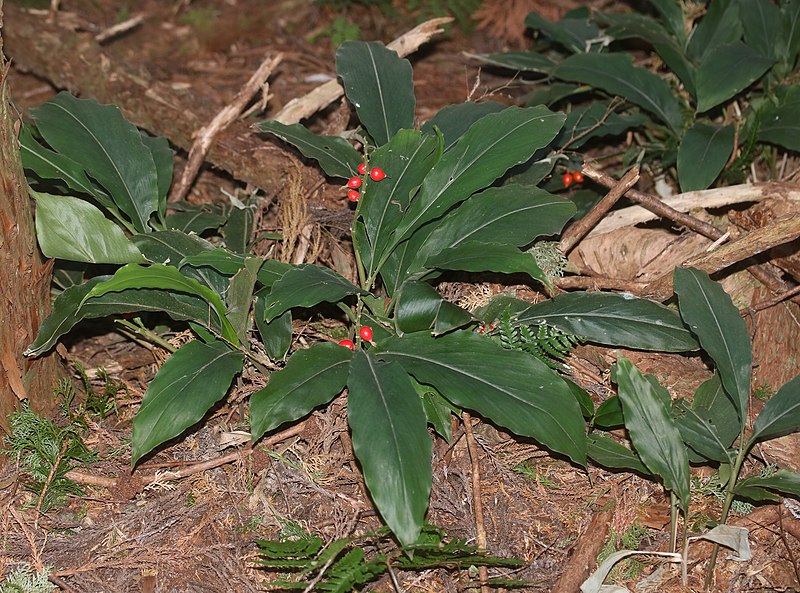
(353, 195)
(365, 333)
(577, 176)
(377, 174)
(362, 169)
(567, 179)
(347, 344)
(355, 182)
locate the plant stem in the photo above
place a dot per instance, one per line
(139, 330)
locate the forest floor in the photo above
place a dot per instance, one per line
(188, 518)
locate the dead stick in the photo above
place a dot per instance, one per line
(302, 107)
(477, 502)
(195, 468)
(600, 283)
(770, 302)
(573, 235)
(222, 120)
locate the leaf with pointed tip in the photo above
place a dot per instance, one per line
(611, 454)
(219, 259)
(305, 287)
(720, 25)
(475, 256)
(490, 147)
(109, 148)
(708, 311)
(613, 319)
(509, 387)
(653, 433)
(615, 74)
(276, 335)
(783, 481)
(380, 86)
(702, 154)
(196, 222)
(240, 296)
(335, 155)
(453, 121)
(584, 123)
(192, 380)
(711, 424)
(787, 44)
(238, 228)
(762, 25)
(575, 34)
(523, 61)
(391, 441)
(420, 308)
(780, 123)
(311, 378)
(72, 229)
(162, 158)
(780, 415)
(609, 414)
(727, 70)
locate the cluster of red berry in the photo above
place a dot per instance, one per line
(568, 178)
(376, 174)
(366, 335)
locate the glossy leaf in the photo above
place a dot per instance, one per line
(582, 397)
(780, 415)
(420, 308)
(720, 26)
(192, 380)
(453, 121)
(762, 27)
(652, 431)
(196, 222)
(219, 259)
(379, 84)
(73, 229)
(609, 414)
(475, 256)
(615, 74)
(311, 378)
(703, 153)
(609, 453)
(108, 147)
(613, 319)
(305, 287)
(335, 155)
(276, 335)
(726, 71)
(491, 146)
(711, 423)
(438, 410)
(165, 278)
(509, 387)
(783, 481)
(708, 311)
(390, 439)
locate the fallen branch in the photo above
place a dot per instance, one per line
(477, 502)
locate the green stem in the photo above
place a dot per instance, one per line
(673, 521)
(139, 330)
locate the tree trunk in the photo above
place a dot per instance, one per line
(24, 276)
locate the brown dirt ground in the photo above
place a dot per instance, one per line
(197, 533)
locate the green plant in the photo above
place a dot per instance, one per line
(26, 580)
(445, 205)
(44, 453)
(726, 81)
(630, 539)
(347, 564)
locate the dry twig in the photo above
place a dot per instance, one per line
(477, 502)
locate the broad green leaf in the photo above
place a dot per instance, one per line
(453, 121)
(613, 319)
(672, 13)
(219, 259)
(276, 335)
(780, 123)
(162, 158)
(72, 229)
(584, 123)
(783, 481)
(727, 70)
(702, 155)
(311, 378)
(174, 247)
(238, 229)
(551, 93)
(762, 27)
(305, 287)
(652, 431)
(108, 147)
(335, 155)
(788, 42)
(380, 85)
(720, 25)
(523, 61)
(712, 317)
(272, 271)
(438, 410)
(513, 214)
(47, 164)
(780, 415)
(240, 296)
(609, 414)
(192, 380)
(609, 453)
(390, 439)
(420, 308)
(491, 146)
(196, 222)
(582, 397)
(757, 493)
(408, 157)
(575, 34)
(615, 74)
(710, 424)
(475, 256)
(165, 278)
(509, 387)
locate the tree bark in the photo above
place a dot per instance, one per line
(24, 276)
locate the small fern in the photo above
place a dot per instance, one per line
(349, 563)
(547, 343)
(25, 579)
